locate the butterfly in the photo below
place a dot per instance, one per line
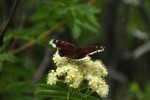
(69, 50)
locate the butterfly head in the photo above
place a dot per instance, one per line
(53, 42)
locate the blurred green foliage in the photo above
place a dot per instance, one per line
(137, 94)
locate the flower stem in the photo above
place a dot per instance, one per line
(69, 93)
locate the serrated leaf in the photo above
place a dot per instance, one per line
(58, 93)
(52, 87)
(50, 91)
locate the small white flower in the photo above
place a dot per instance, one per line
(103, 89)
(75, 71)
(52, 78)
(59, 60)
(74, 76)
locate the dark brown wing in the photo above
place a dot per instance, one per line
(91, 50)
(62, 45)
(81, 53)
(69, 50)
(67, 53)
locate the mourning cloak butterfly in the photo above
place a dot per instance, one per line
(69, 50)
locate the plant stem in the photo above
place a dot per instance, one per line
(69, 93)
(40, 37)
(86, 93)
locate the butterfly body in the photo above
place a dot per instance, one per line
(69, 50)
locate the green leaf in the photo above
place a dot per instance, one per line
(90, 27)
(69, 2)
(76, 31)
(86, 9)
(48, 87)
(19, 87)
(59, 92)
(93, 21)
(17, 91)
(7, 57)
(69, 19)
(2, 47)
(51, 91)
(39, 16)
(77, 96)
(135, 89)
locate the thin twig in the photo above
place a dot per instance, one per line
(40, 37)
(141, 50)
(4, 28)
(9, 18)
(120, 77)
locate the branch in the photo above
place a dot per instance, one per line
(45, 62)
(141, 50)
(40, 37)
(117, 76)
(4, 28)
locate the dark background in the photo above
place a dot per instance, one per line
(122, 26)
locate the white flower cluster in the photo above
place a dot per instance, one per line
(75, 71)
